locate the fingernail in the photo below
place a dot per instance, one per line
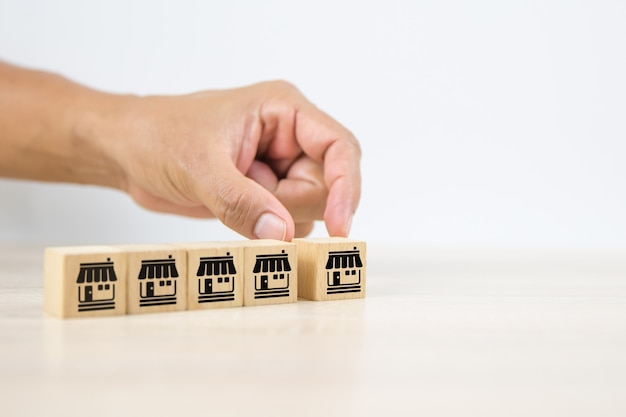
(270, 226)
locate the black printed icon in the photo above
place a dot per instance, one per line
(216, 279)
(343, 272)
(96, 286)
(157, 282)
(271, 275)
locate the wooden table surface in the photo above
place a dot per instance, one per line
(441, 332)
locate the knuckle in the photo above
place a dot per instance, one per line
(234, 207)
(284, 85)
(281, 88)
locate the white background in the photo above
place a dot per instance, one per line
(483, 123)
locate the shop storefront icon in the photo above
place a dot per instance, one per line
(96, 286)
(343, 272)
(271, 275)
(157, 282)
(216, 279)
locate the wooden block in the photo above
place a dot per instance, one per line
(85, 281)
(331, 268)
(270, 272)
(214, 274)
(157, 278)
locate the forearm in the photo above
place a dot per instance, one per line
(262, 158)
(47, 129)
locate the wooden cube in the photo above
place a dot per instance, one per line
(85, 281)
(331, 268)
(157, 278)
(214, 275)
(270, 272)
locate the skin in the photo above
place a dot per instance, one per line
(262, 158)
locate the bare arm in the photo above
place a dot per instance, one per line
(44, 123)
(262, 159)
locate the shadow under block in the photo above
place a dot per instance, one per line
(270, 272)
(157, 278)
(331, 268)
(85, 281)
(214, 275)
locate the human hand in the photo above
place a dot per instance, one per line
(262, 159)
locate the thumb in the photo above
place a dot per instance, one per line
(244, 205)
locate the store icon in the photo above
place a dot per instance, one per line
(271, 275)
(343, 272)
(96, 286)
(216, 279)
(157, 282)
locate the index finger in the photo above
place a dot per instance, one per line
(328, 142)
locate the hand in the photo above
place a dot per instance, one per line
(262, 159)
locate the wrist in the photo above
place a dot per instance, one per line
(98, 123)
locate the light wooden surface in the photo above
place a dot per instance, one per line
(441, 333)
